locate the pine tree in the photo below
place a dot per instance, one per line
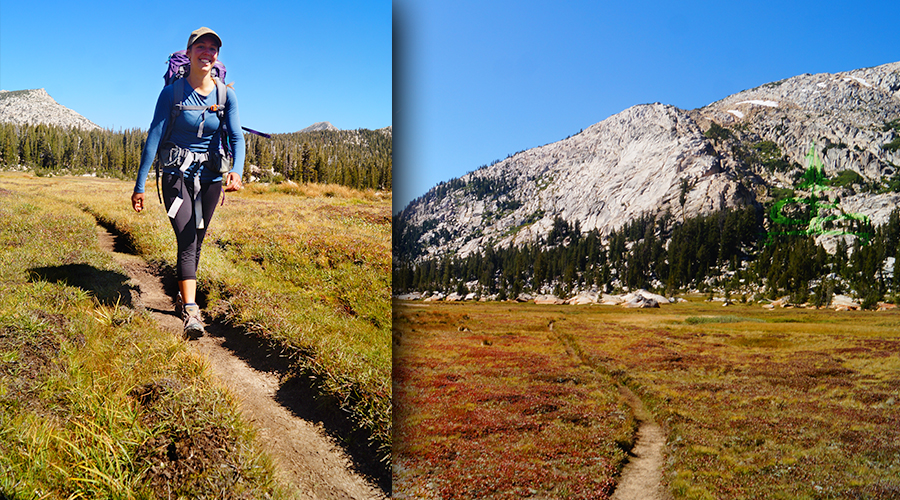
(9, 145)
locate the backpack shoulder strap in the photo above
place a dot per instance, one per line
(177, 96)
(218, 108)
(221, 98)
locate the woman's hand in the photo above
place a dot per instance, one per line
(233, 182)
(137, 201)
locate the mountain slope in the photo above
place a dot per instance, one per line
(651, 159)
(37, 107)
(319, 126)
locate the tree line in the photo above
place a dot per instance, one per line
(726, 252)
(361, 159)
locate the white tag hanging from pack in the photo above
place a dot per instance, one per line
(173, 210)
(198, 212)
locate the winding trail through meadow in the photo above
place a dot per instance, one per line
(307, 459)
(642, 476)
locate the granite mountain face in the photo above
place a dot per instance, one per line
(655, 158)
(35, 107)
(315, 127)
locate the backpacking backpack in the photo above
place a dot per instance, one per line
(179, 66)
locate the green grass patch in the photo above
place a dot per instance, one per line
(95, 400)
(699, 320)
(846, 178)
(306, 267)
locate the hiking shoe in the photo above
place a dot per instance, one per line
(193, 321)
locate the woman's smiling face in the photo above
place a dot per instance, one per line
(204, 52)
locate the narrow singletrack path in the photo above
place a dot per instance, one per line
(642, 476)
(307, 459)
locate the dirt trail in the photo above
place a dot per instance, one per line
(306, 457)
(642, 475)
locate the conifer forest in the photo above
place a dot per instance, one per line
(728, 253)
(360, 159)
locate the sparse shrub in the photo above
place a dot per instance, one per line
(718, 132)
(846, 178)
(894, 145)
(833, 145)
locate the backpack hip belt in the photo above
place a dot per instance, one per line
(185, 158)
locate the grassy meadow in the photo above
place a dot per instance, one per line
(515, 400)
(94, 397)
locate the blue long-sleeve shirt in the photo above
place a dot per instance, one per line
(184, 132)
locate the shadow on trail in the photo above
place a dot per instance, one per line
(113, 240)
(121, 242)
(108, 287)
(169, 282)
(298, 393)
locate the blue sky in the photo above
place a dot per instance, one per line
(293, 62)
(479, 80)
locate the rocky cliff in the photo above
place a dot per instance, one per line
(656, 158)
(37, 107)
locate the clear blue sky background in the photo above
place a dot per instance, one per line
(293, 62)
(477, 80)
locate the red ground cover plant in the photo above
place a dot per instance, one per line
(488, 403)
(492, 402)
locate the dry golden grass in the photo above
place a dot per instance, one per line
(306, 266)
(92, 390)
(314, 190)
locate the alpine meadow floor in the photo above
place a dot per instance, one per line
(101, 397)
(309, 461)
(507, 400)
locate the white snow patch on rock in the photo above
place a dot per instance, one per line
(769, 104)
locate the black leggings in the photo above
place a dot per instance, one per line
(190, 239)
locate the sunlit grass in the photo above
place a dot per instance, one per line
(75, 363)
(314, 274)
(307, 266)
(696, 320)
(766, 399)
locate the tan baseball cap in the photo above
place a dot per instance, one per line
(200, 32)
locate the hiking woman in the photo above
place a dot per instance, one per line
(189, 146)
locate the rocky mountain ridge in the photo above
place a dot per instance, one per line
(315, 127)
(35, 106)
(327, 126)
(656, 158)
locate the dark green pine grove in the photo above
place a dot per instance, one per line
(360, 159)
(724, 252)
(52, 149)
